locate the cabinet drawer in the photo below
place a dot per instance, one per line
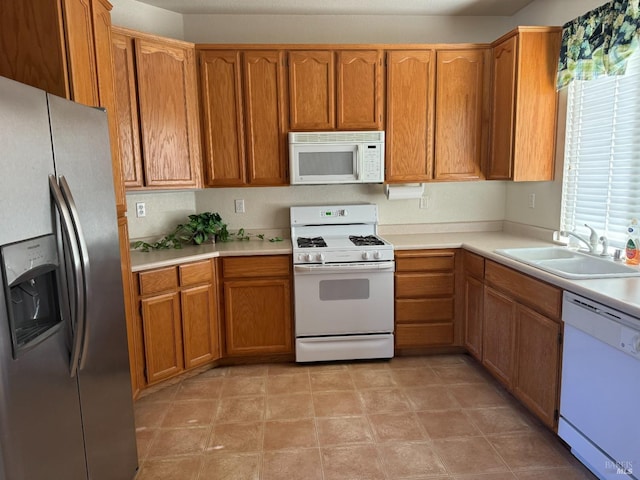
(410, 285)
(427, 310)
(155, 281)
(420, 262)
(417, 335)
(195, 273)
(257, 266)
(473, 264)
(536, 294)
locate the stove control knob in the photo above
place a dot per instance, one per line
(635, 344)
(308, 257)
(320, 257)
(377, 255)
(365, 255)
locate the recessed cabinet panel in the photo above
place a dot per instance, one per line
(459, 133)
(127, 110)
(359, 90)
(220, 82)
(410, 115)
(265, 107)
(165, 75)
(311, 90)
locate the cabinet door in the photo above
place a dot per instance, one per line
(410, 98)
(32, 45)
(537, 364)
(473, 313)
(106, 89)
(168, 113)
(222, 112)
(460, 94)
(359, 89)
(311, 90)
(498, 335)
(199, 325)
(504, 84)
(257, 316)
(534, 149)
(265, 109)
(127, 110)
(78, 27)
(162, 336)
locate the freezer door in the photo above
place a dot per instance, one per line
(83, 162)
(40, 428)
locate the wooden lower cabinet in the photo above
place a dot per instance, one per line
(537, 370)
(424, 298)
(178, 319)
(521, 338)
(162, 336)
(257, 305)
(498, 335)
(473, 301)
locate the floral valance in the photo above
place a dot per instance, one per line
(599, 42)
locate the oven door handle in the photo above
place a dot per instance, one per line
(345, 268)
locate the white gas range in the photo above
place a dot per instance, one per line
(343, 283)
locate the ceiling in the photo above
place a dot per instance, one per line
(344, 7)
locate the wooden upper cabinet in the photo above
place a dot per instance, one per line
(311, 90)
(244, 114)
(359, 89)
(222, 117)
(460, 141)
(265, 119)
(127, 110)
(504, 84)
(106, 88)
(168, 112)
(78, 28)
(410, 115)
(525, 101)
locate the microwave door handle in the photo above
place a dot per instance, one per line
(356, 172)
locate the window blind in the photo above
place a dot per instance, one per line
(601, 183)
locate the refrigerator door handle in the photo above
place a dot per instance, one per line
(66, 226)
(84, 265)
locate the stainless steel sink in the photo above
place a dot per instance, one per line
(569, 263)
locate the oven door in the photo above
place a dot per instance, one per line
(344, 299)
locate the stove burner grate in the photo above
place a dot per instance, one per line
(361, 241)
(304, 242)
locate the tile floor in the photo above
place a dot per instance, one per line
(436, 417)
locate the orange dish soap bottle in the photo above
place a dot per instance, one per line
(632, 248)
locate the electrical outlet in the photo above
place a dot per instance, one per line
(532, 200)
(141, 209)
(424, 202)
(239, 206)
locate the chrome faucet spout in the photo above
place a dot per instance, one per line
(584, 240)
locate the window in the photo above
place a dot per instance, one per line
(601, 184)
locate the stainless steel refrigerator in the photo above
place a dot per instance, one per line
(65, 394)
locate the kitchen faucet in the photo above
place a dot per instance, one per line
(591, 243)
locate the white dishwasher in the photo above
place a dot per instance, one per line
(600, 388)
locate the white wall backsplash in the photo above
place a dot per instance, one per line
(342, 28)
(147, 18)
(164, 211)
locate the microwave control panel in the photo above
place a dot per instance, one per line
(372, 162)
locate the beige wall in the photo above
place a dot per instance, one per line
(548, 195)
(145, 18)
(268, 207)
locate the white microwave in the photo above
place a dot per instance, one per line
(336, 157)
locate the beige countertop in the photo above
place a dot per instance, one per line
(620, 293)
(164, 258)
